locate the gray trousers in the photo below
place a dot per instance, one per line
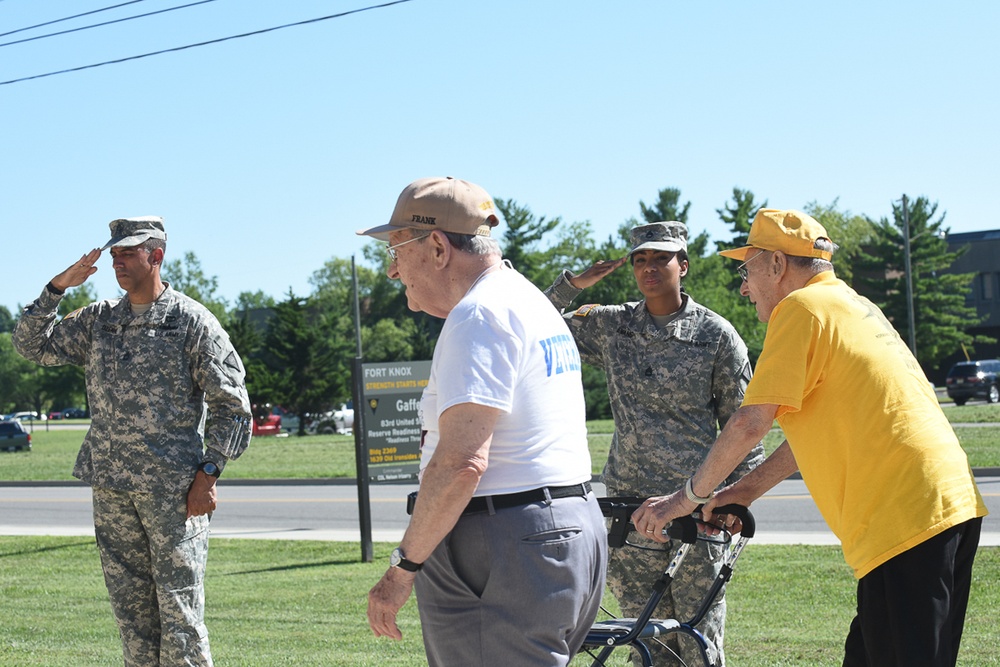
(154, 560)
(520, 586)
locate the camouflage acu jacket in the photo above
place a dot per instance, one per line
(671, 389)
(152, 380)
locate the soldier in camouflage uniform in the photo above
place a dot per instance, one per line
(157, 363)
(676, 371)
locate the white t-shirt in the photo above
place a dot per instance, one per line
(505, 346)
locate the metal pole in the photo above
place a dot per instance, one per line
(360, 450)
(908, 268)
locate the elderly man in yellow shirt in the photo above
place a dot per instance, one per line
(865, 429)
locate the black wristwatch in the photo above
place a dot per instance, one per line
(397, 559)
(210, 469)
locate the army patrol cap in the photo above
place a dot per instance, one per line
(792, 232)
(445, 203)
(133, 231)
(667, 236)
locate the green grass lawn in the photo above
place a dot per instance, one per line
(975, 413)
(276, 603)
(303, 603)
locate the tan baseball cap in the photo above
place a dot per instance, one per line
(445, 203)
(133, 231)
(791, 232)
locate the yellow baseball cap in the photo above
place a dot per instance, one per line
(792, 232)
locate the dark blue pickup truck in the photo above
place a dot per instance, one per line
(13, 436)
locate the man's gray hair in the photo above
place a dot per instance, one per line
(149, 245)
(473, 243)
(816, 264)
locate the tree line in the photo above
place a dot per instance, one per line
(298, 350)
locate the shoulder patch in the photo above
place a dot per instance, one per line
(583, 311)
(73, 314)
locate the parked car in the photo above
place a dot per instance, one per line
(267, 425)
(289, 420)
(343, 418)
(26, 416)
(974, 379)
(13, 436)
(73, 413)
(55, 414)
(340, 421)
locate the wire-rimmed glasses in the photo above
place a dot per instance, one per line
(742, 268)
(391, 249)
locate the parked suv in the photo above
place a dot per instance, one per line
(13, 436)
(974, 379)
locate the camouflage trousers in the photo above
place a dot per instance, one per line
(154, 560)
(631, 574)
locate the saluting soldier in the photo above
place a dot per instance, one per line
(169, 408)
(676, 372)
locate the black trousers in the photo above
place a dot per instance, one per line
(911, 609)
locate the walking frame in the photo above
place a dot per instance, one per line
(606, 636)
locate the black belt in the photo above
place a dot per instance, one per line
(507, 500)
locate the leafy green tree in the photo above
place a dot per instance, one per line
(30, 388)
(187, 276)
(247, 337)
(6, 320)
(389, 330)
(252, 301)
(247, 324)
(941, 315)
(303, 359)
(14, 369)
(712, 279)
(667, 207)
(739, 216)
(850, 232)
(522, 237)
(389, 340)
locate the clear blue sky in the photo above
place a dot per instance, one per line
(265, 154)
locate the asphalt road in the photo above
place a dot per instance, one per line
(330, 512)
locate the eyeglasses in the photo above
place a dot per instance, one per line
(391, 249)
(742, 268)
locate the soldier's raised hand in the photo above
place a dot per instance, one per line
(596, 273)
(78, 273)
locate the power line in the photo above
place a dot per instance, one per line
(211, 41)
(67, 18)
(98, 25)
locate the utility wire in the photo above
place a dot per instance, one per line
(211, 41)
(98, 25)
(67, 18)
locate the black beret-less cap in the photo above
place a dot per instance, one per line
(670, 236)
(133, 231)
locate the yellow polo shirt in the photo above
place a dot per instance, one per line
(877, 454)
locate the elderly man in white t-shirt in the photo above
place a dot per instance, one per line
(506, 545)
